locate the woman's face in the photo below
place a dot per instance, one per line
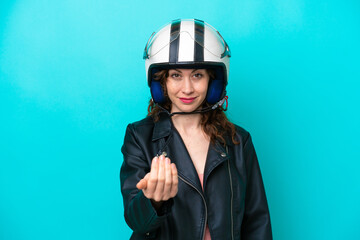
(187, 88)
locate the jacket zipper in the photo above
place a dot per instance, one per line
(231, 202)
(203, 201)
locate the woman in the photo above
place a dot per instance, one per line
(189, 173)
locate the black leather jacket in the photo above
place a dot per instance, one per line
(233, 202)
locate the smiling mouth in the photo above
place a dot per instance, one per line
(187, 100)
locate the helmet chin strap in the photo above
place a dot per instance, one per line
(207, 109)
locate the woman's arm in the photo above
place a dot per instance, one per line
(256, 222)
(140, 214)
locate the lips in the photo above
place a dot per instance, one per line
(187, 100)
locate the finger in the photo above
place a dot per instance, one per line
(159, 192)
(152, 181)
(142, 184)
(174, 182)
(147, 176)
(168, 179)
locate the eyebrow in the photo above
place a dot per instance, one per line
(191, 71)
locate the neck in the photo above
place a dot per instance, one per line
(187, 123)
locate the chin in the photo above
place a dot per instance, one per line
(181, 107)
(187, 109)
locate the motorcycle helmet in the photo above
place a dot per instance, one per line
(189, 43)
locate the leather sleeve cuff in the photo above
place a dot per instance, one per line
(165, 207)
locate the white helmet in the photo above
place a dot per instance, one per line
(188, 44)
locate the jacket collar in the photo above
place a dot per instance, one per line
(162, 127)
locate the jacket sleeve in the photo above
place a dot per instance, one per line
(139, 213)
(256, 222)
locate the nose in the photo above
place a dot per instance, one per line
(187, 86)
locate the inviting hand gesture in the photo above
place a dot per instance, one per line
(161, 183)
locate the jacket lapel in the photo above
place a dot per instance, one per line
(217, 154)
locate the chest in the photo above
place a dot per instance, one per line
(197, 146)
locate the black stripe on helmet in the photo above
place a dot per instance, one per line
(199, 41)
(174, 41)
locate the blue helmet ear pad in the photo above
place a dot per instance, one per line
(216, 87)
(157, 92)
(215, 91)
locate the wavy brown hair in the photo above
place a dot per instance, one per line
(214, 123)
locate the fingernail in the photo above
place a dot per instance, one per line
(167, 161)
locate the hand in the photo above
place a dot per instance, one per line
(161, 183)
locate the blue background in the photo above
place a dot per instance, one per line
(72, 77)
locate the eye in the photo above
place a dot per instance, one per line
(175, 76)
(198, 75)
